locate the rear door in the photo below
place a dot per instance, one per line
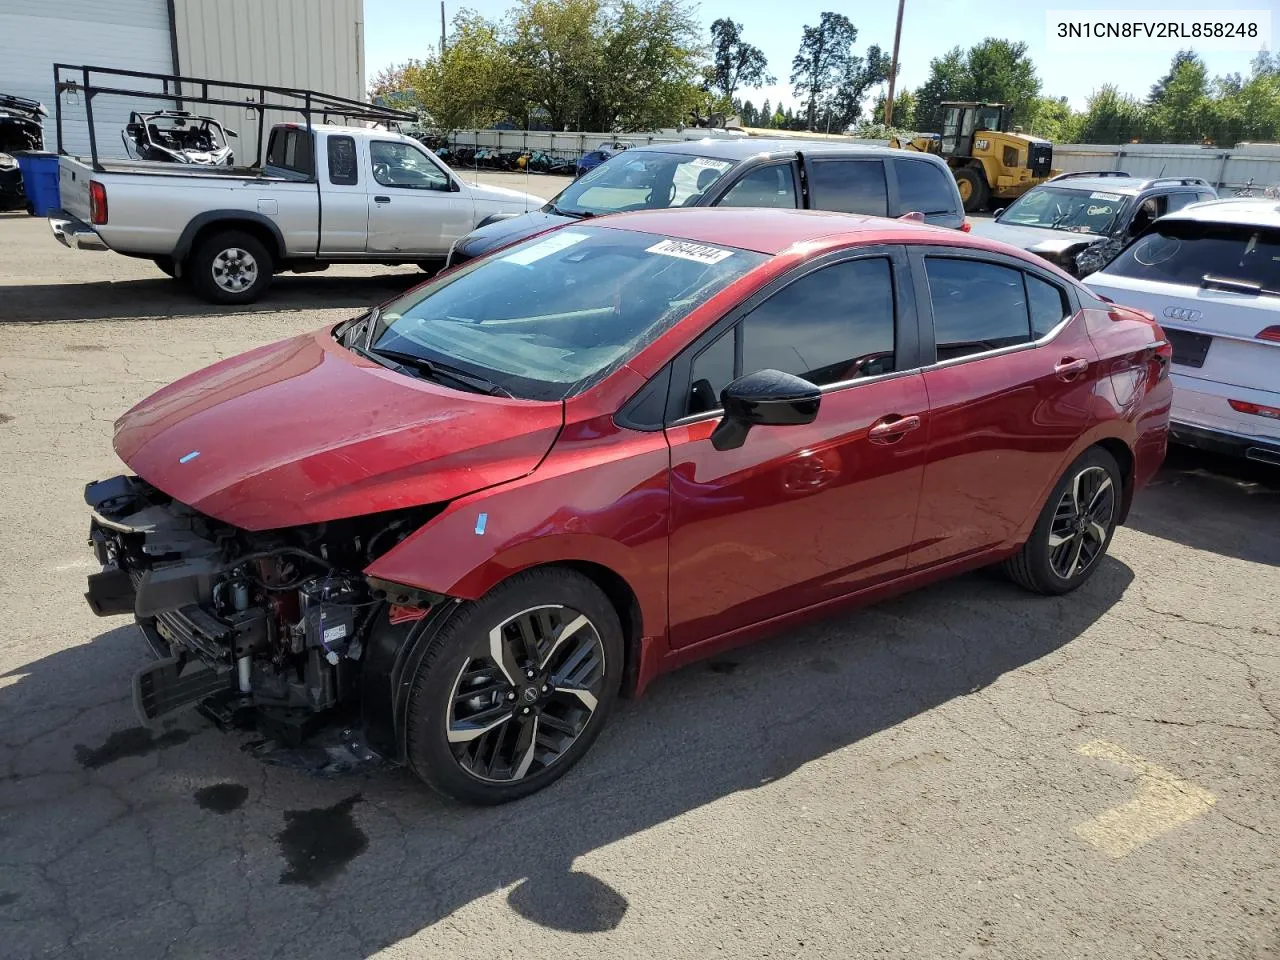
(800, 515)
(415, 206)
(847, 184)
(917, 185)
(1009, 395)
(343, 194)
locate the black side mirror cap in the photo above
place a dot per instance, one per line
(766, 398)
(230, 133)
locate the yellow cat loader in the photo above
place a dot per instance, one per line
(987, 160)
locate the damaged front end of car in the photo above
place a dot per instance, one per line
(267, 629)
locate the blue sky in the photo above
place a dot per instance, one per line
(396, 30)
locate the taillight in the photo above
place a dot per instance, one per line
(966, 226)
(97, 203)
(1257, 409)
(1271, 333)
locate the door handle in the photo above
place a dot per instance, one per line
(892, 428)
(1068, 368)
(381, 199)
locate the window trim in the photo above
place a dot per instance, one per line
(907, 346)
(813, 161)
(449, 185)
(328, 159)
(747, 170)
(928, 344)
(898, 206)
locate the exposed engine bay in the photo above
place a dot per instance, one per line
(265, 629)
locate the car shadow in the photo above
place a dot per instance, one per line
(1225, 505)
(344, 867)
(144, 299)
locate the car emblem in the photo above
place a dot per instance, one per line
(530, 694)
(1186, 314)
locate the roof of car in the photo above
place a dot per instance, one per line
(1124, 185)
(1250, 211)
(739, 148)
(771, 230)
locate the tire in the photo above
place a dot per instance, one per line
(230, 267)
(1058, 569)
(485, 760)
(973, 188)
(166, 266)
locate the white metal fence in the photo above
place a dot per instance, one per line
(1228, 170)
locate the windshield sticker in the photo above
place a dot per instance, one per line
(1113, 197)
(721, 165)
(697, 252)
(545, 248)
(1096, 211)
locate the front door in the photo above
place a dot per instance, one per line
(1008, 398)
(414, 207)
(803, 514)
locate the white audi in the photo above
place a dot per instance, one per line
(1211, 275)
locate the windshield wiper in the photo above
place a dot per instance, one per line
(432, 370)
(575, 214)
(1238, 286)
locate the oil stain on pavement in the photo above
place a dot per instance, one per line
(320, 842)
(134, 742)
(222, 797)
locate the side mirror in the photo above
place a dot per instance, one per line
(996, 213)
(766, 398)
(230, 133)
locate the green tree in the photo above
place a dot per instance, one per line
(766, 113)
(466, 86)
(823, 63)
(747, 114)
(948, 80)
(556, 56)
(904, 110)
(1053, 119)
(735, 62)
(994, 71)
(1179, 108)
(1111, 117)
(1247, 110)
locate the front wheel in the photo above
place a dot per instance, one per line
(515, 688)
(1074, 528)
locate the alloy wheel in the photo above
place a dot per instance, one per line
(525, 693)
(235, 270)
(1081, 522)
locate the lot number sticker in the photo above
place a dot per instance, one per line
(697, 252)
(1113, 197)
(553, 244)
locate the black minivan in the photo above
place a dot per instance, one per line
(744, 172)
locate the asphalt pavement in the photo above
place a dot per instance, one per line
(966, 772)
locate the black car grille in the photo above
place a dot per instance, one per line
(198, 631)
(1189, 349)
(1040, 159)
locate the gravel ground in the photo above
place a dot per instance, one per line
(968, 771)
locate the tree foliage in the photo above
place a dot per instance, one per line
(994, 71)
(735, 63)
(828, 78)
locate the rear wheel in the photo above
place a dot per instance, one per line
(515, 687)
(230, 267)
(973, 188)
(1074, 528)
(167, 266)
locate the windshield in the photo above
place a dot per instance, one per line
(640, 180)
(559, 310)
(1188, 251)
(1060, 208)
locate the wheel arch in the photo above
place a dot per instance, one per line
(257, 225)
(1123, 455)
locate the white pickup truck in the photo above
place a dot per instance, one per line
(325, 194)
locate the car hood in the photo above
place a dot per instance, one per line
(516, 200)
(1039, 240)
(502, 232)
(303, 431)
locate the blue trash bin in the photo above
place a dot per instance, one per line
(39, 180)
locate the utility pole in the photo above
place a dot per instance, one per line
(895, 49)
(893, 68)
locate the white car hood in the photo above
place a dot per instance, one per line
(506, 200)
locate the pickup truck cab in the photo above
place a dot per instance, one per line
(746, 172)
(324, 194)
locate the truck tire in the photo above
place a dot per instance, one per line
(167, 266)
(973, 188)
(230, 267)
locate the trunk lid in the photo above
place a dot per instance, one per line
(304, 431)
(73, 187)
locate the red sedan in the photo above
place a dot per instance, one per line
(478, 515)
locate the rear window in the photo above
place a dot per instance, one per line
(849, 186)
(924, 188)
(289, 148)
(1187, 251)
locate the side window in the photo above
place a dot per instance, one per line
(1179, 200)
(1205, 195)
(849, 186)
(1147, 212)
(977, 306)
(924, 187)
(342, 161)
(769, 186)
(711, 372)
(1047, 303)
(832, 325)
(289, 148)
(401, 165)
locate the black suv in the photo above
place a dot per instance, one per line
(745, 172)
(1080, 221)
